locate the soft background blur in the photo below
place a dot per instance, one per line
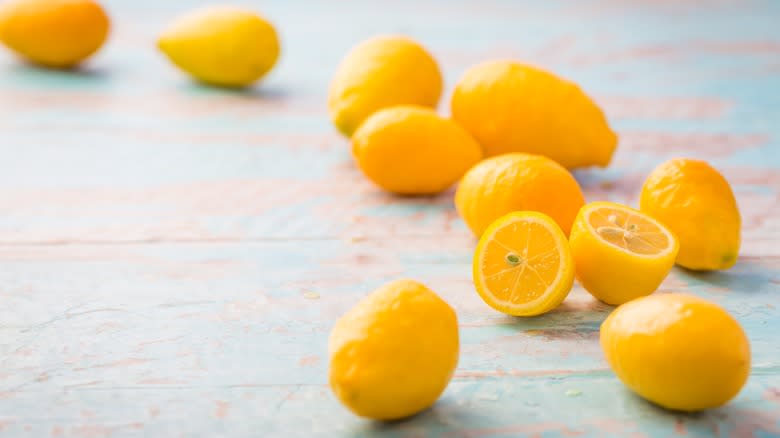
(172, 256)
(698, 69)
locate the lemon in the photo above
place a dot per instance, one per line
(522, 265)
(411, 150)
(620, 253)
(383, 71)
(696, 202)
(512, 107)
(678, 351)
(53, 33)
(515, 182)
(393, 354)
(222, 45)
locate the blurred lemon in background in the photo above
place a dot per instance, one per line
(53, 33)
(393, 354)
(620, 253)
(511, 107)
(222, 45)
(517, 182)
(411, 150)
(523, 265)
(696, 202)
(678, 351)
(381, 72)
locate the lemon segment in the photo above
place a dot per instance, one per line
(625, 229)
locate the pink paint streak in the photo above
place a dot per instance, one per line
(130, 361)
(679, 427)
(161, 381)
(309, 361)
(664, 108)
(747, 422)
(772, 394)
(671, 144)
(222, 409)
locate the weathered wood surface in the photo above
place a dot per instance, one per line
(172, 257)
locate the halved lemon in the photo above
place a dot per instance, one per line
(523, 265)
(620, 253)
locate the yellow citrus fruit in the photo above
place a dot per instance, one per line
(411, 150)
(678, 351)
(511, 107)
(696, 202)
(381, 72)
(393, 354)
(515, 182)
(620, 253)
(522, 265)
(222, 45)
(53, 33)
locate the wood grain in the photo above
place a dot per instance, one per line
(172, 257)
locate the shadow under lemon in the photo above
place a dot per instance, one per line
(19, 69)
(261, 90)
(569, 320)
(740, 418)
(749, 275)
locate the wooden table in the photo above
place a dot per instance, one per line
(172, 257)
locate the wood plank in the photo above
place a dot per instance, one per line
(151, 327)
(508, 407)
(191, 315)
(172, 257)
(134, 152)
(340, 206)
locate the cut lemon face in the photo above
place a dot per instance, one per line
(620, 253)
(523, 265)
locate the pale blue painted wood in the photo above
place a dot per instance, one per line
(158, 238)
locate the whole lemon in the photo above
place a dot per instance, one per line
(393, 354)
(222, 45)
(515, 182)
(383, 71)
(53, 33)
(411, 150)
(696, 202)
(678, 351)
(511, 107)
